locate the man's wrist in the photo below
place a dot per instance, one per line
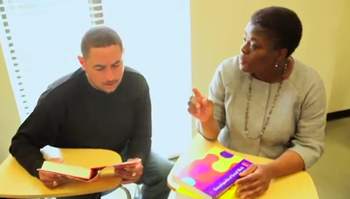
(135, 157)
(36, 165)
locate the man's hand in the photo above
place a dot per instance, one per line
(51, 180)
(254, 182)
(131, 173)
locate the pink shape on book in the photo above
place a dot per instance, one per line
(198, 170)
(201, 170)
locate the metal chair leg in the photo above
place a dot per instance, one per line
(137, 194)
(127, 192)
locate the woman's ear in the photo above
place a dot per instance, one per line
(282, 54)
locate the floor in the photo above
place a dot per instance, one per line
(332, 174)
(331, 182)
(120, 194)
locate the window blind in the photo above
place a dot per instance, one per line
(41, 41)
(96, 9)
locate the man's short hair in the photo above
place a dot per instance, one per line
(99, 37)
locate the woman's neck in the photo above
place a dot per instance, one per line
(276, 74)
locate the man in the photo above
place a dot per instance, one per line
(105, 105)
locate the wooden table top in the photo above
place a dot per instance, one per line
(298, 185)
(16, 182)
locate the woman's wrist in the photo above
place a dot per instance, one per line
(271, 170)
(288, 163)
(208, 121)
(210, 128)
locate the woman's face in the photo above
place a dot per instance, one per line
(257, 52)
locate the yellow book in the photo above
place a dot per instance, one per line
(183, 193)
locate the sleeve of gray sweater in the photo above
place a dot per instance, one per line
(309, 137)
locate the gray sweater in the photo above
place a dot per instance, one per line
(297, 122)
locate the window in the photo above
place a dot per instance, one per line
(41, 41)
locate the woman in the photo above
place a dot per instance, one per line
(265, 102)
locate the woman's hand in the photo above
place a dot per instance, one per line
(254, 181)
(200, 107)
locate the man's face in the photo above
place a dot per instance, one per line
(104, 67)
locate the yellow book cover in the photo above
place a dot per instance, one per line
(229, 194)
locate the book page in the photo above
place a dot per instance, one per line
(68, 170)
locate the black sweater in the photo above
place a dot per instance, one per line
(72, 114)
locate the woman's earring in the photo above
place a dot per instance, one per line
(276, 65)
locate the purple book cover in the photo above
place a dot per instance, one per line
(214, 173)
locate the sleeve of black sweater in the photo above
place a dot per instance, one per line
(38, 130)
(141, 140)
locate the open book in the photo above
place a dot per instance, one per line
(80, 173)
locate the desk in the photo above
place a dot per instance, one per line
(15, 182)
(299, 185)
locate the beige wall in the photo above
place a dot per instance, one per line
(319, 46)
(322, 47)
(340, 92)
